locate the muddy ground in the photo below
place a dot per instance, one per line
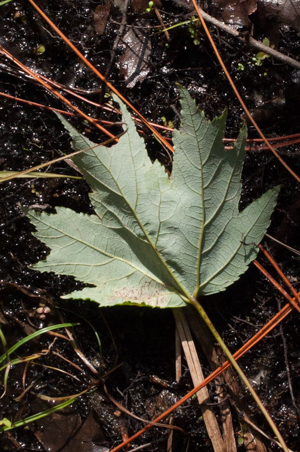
(141, 341)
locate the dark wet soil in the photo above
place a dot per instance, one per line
(141, 341)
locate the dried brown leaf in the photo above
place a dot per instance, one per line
(100, 18)
(236, 12)
(286, 12)
(65, 430)
(134, 63)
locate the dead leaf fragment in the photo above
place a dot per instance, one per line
(286, 12)
(65, 431)
(134, 63)
(236, 12)
(100, 18)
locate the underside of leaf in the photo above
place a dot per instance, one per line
(155, 240)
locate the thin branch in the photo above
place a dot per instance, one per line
(236, 92)
(249, 40)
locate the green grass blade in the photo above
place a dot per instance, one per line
(34, 174)
(35, 334)
(36, 417)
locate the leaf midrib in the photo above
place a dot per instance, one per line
(184, 292)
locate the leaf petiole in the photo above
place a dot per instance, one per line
(239, 371)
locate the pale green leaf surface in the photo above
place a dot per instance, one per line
(81, 246)
(156, 240)
(210, 228)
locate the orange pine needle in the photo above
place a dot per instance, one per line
(160, 138)
(253, 341)
(56, 93)
(282, 276)
(256, 338)
(238, 94)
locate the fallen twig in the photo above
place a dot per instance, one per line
(249, 40)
